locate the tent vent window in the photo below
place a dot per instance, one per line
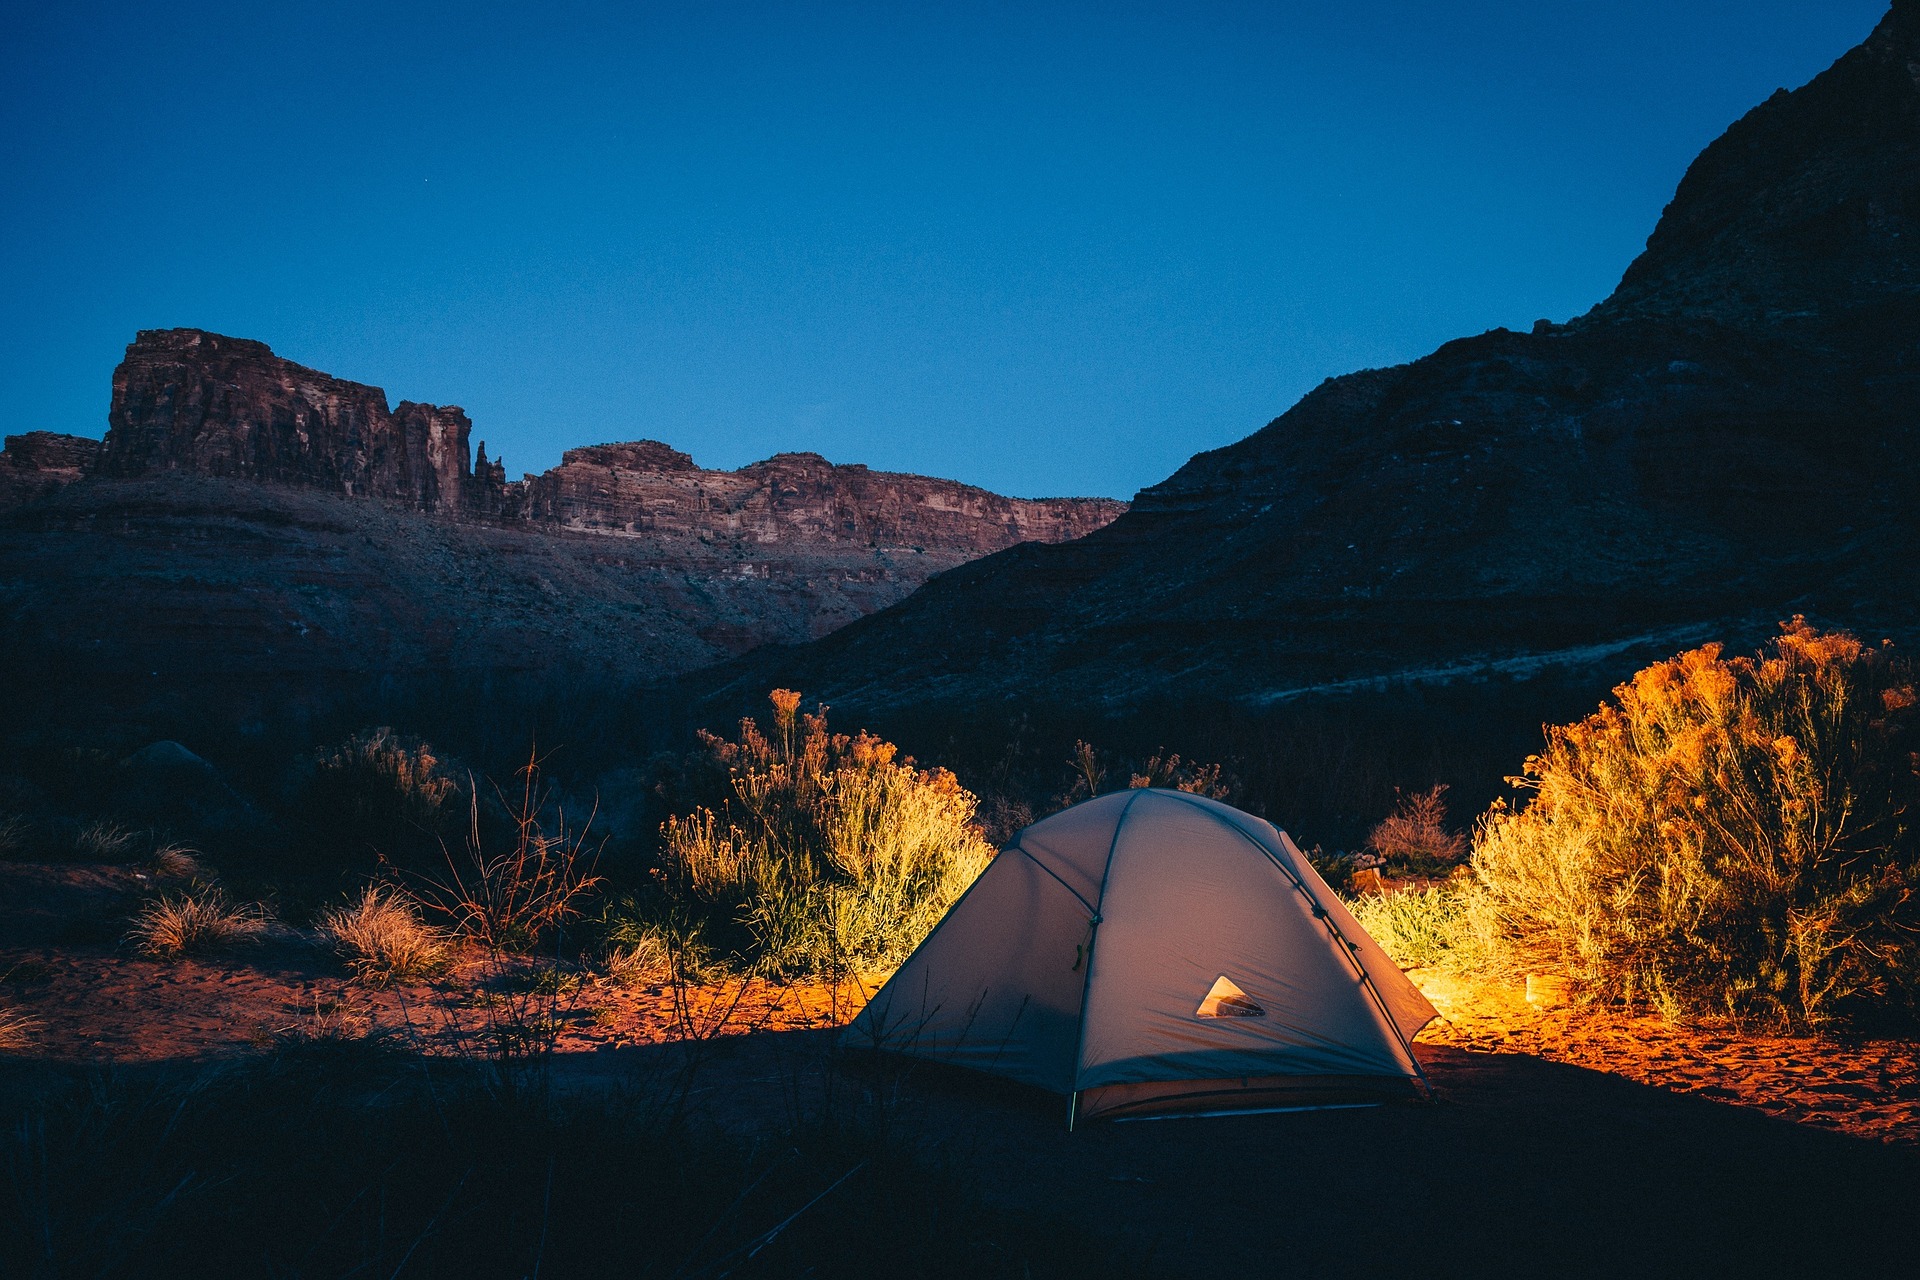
(1226, 1000)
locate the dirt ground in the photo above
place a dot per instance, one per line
(1560, 1141)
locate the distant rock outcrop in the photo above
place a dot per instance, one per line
(249, 518)
(646, 489)
(37, 463)
(1731, 438)
(187, 400)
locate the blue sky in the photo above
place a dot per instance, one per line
(1049, 249)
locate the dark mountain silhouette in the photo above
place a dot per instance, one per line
(1730, 438)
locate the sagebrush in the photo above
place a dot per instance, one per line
(1728, 836)
(829, 852)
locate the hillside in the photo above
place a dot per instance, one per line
(1730, 438)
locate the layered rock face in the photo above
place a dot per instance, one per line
(1731, 438)
(649, 490)
(187, 400)
(35, 464)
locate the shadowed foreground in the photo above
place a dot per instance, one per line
(1520, 1166)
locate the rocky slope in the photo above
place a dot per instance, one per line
(1732, 437)
(247, 517)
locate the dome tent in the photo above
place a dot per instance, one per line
(1150, 951)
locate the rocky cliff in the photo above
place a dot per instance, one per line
(189, 401)
(186, 400)
(1732, 437)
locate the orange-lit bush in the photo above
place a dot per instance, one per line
(830, 850)
(1729, 835)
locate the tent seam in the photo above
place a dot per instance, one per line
(1086, 986)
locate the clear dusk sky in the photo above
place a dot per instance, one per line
(1048, 249)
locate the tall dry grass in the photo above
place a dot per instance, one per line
(830, 851)
(1731, 836)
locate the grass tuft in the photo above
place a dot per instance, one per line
(105, 841)
(16, 1031)
(174, 861)
(174, 925)
(382, 939)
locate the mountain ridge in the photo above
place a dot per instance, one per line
(1727, 439)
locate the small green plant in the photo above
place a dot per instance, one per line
(178, 924)
(1728, 836)
(830, 853)
(1424, 928)
(382, 939)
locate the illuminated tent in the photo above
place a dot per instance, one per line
(1151, 951)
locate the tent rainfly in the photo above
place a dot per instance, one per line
(1153, 951)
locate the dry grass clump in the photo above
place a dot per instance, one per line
(105, 841)
(16, 835)
(831, 852)
(178, 924)
(645, 963)
(174, 861)
(382, 939)
(1731, 836)
(16, 1031)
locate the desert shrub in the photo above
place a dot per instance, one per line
(382, 939)
(384, 791)
(178, 924)
(1424, 928)
(1089, 768)
(1728, 835)
(16, 836)
(1414, 837)
(830, 852)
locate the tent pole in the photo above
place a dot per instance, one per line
(1073, 1109)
